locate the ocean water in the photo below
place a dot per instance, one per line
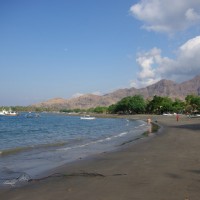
(31, 146)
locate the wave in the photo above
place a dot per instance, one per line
(22, 178)
(94, 142)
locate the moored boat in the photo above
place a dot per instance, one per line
(8, 113)
(88, 117)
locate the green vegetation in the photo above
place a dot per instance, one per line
(129, 105)
(192, 103)
(158, 105)
(76, 110)
(99, 110)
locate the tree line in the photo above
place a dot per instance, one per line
(158, 105)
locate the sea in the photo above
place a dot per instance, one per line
(30, 146)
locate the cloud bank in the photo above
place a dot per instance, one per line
(154, 67)
(167, 16)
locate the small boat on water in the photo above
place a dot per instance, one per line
(8, 113)
(88, 117)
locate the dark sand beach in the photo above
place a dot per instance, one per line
(163, 166)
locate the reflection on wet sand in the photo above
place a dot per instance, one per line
(149, 129)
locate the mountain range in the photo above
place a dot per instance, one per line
(161, 88)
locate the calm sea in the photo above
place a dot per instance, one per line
(31, 146)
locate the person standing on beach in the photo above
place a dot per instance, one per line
(149, 121)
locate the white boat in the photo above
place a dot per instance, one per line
(8, 112)
(167, 114)
(12, 113)
(88, 117)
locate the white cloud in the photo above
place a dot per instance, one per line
(154, 67)
(77, 95)
(97, 93)
(191, 15)
(167, 16)
(146, 61)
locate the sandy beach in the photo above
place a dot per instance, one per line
(163, 166)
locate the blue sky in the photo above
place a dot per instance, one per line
(66, 48)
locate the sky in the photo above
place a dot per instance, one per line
(67, 48)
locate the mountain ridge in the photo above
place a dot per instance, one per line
(163, 87)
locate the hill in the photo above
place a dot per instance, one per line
(161, 88)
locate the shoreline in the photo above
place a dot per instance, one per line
(162, 167)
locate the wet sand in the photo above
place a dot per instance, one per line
(164, 166)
